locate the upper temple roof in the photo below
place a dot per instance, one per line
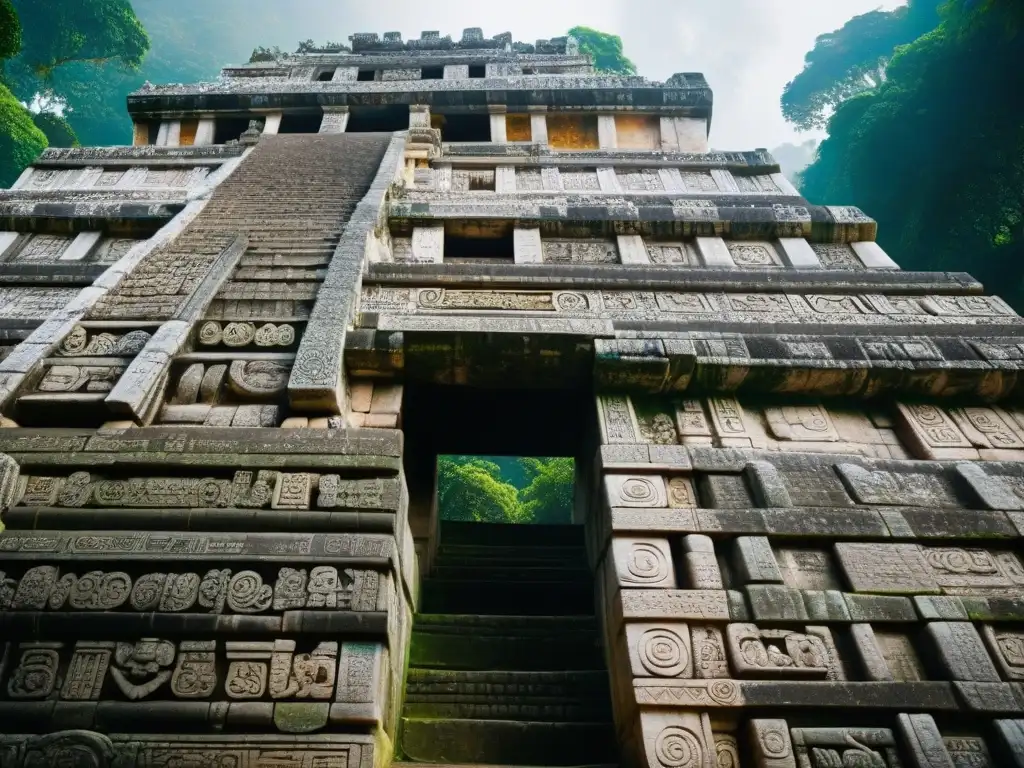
(472, 39)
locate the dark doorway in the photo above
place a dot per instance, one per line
(326, 76)
(293, 122)
(478, 70)
(432, 73)
(466, 127)
(479, 250)
(229, 128)
(366, 75)
(504, 608)
(378, 119)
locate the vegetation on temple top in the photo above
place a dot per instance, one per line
(20, 140)
(605, 49)
(935, 152)
(10, 30)
(497, 489)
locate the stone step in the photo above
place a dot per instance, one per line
(448, 641)
(498, 534)
(539, 598)
(534, 710)
(550, 696)
(507, 742)
(520, 552)
(509, 572)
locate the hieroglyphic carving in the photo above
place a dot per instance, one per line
(241, 334)
(35, 676)
(841, 747)
(709, 659)
(931, 433)
(195, 676)
(304, 675)
(681, 493)
(87, 671)
(770, 653)
(257, 378)
(801, 423)
(684, 253)
(837, 256)
(247, 669)
(1007, 647)
(886, 568)
(74, 378)
(293, 491)
(747, 254)
(580, 251)
(290, 589)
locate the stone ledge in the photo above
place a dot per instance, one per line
(623, 276)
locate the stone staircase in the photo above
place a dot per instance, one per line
(506, 666)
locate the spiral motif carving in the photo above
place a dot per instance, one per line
(210, 333)
(239, 334)
(723, 691)
(430, 297)
(774, 743)
(677, 747)
(646, 564)
(248, 594)
(639, 490)
(663, 653)
(147, 591)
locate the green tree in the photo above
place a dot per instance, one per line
(56, 129)
(852, 60)
(940, 165)
(605, 49)
(20, 140)
(10, 30)
(97, 31)
(471, 489)
(549, 496)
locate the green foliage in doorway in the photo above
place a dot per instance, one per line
(499, 489)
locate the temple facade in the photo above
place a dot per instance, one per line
(231, 354)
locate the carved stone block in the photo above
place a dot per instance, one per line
(195, 676)
(828, 747)
(771, 745)
(362, 684)
(709, 658)
(643, 563)
(660, 650)
(930, 433)
(782, 653)
(886, 568)
(1007, 648)
(677, 739)
(87, 671)
(960, 649)
(754, 561)
(248, 670)
(646, 491)
(35, 675)
(293, 491)
(143, 667)
(699, 563)
(923, 742)
(681, 493)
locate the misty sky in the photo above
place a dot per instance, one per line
(748, 49)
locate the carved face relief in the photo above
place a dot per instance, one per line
(140, 669)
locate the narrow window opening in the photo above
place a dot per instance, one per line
(366, 75)
(301, 123)
(229, 128)
(147, 132)
(477, 70)
(378, 119)
(469, 249)
(432, 73)
(466, 128)
(505, 489)
(326, 76)
(189, 129)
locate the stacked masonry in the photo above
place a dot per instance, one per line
(231, 359)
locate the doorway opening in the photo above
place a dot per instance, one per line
(378, 119)
(506, 622)
(298, 122)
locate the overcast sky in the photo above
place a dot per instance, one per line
(748, 49)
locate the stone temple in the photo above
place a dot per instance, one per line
(233, 352)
